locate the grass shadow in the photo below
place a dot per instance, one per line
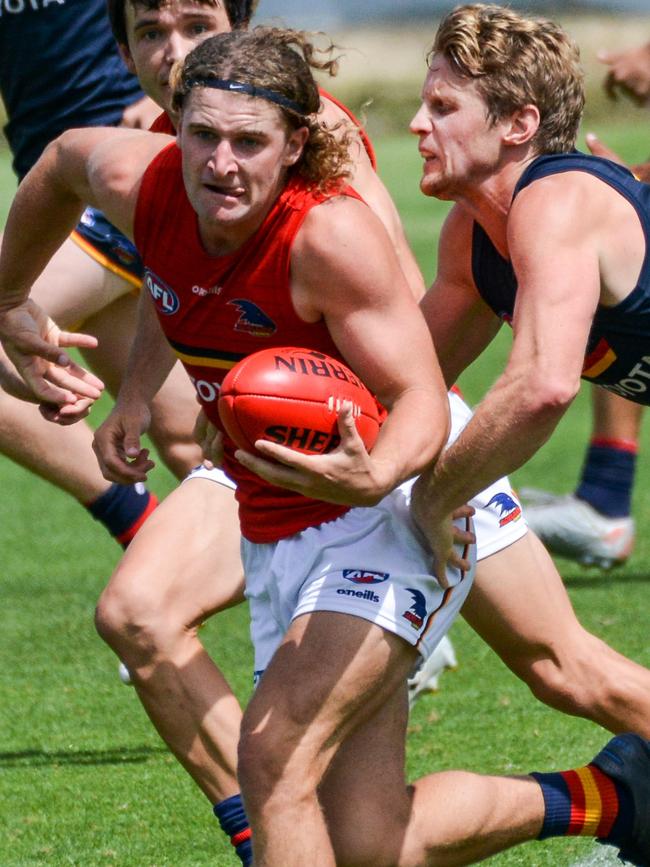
(113, 756)
(602, 579)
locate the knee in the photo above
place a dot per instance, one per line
(130, 621)
(274, 766)
(259, 768)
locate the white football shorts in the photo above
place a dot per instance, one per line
(369, 563)
(212, 474)
(498, 521)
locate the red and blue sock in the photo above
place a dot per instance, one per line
(123, 509)
(608, 476)
(586, 802)
(234, 822)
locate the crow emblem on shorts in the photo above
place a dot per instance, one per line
(417, 613)
(509, 509)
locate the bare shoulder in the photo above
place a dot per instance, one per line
(561, 194)
(341, 256)
(122, 155)
(458, 225)
(566, 199)
(341, 222)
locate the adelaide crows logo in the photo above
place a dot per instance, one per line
(252, 319)
(509, 509)
(417, 613)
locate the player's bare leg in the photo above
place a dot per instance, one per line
(451, 817)
(73, 287)
(321, 765)
(62, 456)
(614, 416)
(520, 607)
(181, 568)
(297, 721)
(331, 673)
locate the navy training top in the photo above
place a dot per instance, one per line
(618, 350)
(59, 68)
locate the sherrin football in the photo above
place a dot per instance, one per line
(292, 396)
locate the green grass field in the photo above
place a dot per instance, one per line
(84, 779)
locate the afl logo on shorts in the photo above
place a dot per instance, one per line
(165, 299)
(362, 576)
(509, 509)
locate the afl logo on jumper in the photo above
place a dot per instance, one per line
(164, 297)
(252, 319)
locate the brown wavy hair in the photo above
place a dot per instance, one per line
(516, 61)
(280, 61)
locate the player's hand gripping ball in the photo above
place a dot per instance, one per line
(292, 397)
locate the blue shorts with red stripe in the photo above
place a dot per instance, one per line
(108, 246)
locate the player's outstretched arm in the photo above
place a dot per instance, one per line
(81, 167)
(344, 271)
(598, 149)
(460, 322)
(554, 253)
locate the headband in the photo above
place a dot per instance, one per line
(249, 89)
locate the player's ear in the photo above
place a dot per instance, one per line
(522, 125)
(295, 145)
(125, 54)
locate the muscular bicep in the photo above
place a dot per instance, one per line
(460, 322)
(554, 251)
(104, 168)
(345, 271)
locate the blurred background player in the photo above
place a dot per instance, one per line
(60, 68)
(594, 524)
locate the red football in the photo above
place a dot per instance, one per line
(292, 397)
